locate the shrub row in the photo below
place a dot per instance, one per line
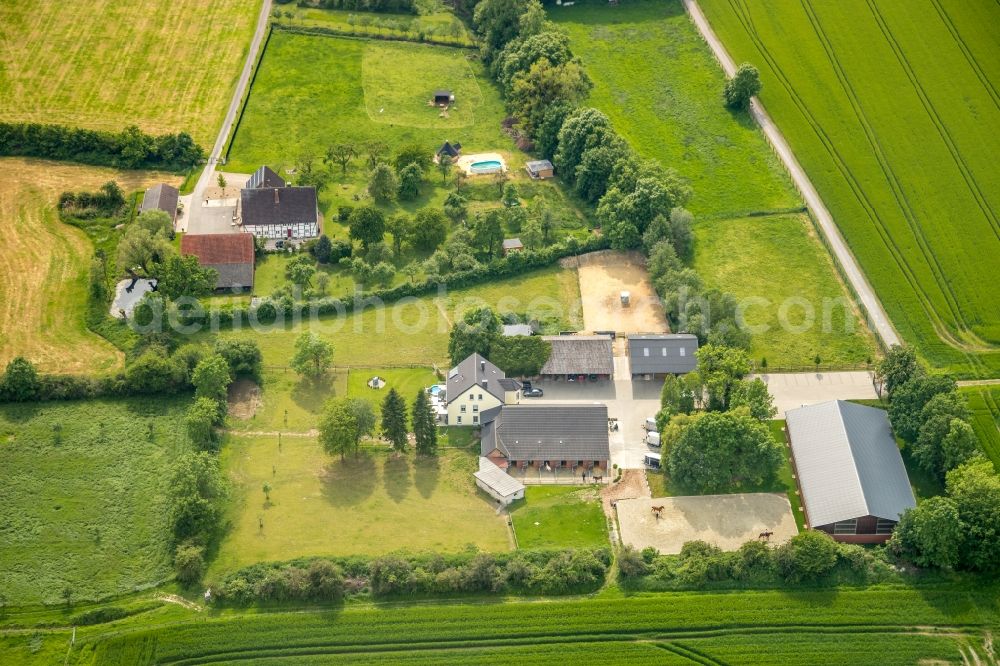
(454, 42)
(428, 574)
(810, 557)
(392, 6)
(131, 148)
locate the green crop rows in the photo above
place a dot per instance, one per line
(984, 403)
(806, 616)
(868, 96)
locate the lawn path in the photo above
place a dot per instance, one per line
(859, 283)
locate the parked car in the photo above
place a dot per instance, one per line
(525, 384)
(533, 393)
(592, 378)
(650, 424)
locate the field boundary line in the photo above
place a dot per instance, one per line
(883, 327)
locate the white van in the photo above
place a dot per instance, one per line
(653, 439)
(652, 460)
(650, 424)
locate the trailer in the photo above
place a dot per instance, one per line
(652, 460)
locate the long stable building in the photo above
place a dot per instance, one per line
(849, 470)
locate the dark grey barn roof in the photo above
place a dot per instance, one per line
(265, 177)
(579, 355)
(548, 432)
(847, 462)
(284, 206)
(473, 371)
(534, 166)
(657, 354)
(161, 197)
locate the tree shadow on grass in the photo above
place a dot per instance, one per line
(396, 477)
(426, 475)
(349, 482)
(312, 394)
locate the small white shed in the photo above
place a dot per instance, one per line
(497, 483)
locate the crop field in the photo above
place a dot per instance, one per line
(166, 67)
(45, 263)
(852, 86)
(660, 85)
(416, 331)
(440, 24)
(83, 497)
(797, 625)
(785, 280)
(984, 403)
(559, 517)
(372, 503)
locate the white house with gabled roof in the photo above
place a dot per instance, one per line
(474, 386)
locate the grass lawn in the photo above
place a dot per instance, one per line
(375, 503)
(291, 403)
(851, 86)
(559, 517)
(86, 512)
(416, 331)
(441, 24)
(778, 269)
(166, 67)
(407, 381)
(394, 97)
(380, 92)
(45, 265)
(659, 83)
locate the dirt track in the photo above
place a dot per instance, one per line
(603, 276)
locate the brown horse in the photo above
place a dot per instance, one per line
(766, 535)
(657, 511)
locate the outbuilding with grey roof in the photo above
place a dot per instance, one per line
(662, 354)
(575, 356)
(849, 470)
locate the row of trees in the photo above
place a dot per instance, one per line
(321, 579)
(347, 421)
(927, 412)
(808, 557)
(131, 148)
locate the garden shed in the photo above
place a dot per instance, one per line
(443, 97)
(540, 169)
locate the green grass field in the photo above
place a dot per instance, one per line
(559, 517)
(909, 625)
(440, 24)
(393, 97)
(408, 381)
(166, 67)
(658, 82)
(374, 503)
(984, 402)
(380, 92)
(777, 267)
(416, 331)
(852, 86)
(86, 512)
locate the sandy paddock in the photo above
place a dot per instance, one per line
(727, 521)
(603, 276)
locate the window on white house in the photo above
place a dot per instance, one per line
(459, 419)
(475, 408)
(475, 419)
(480, 396)
(463, 409)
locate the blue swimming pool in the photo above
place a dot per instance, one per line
(488, 166)
(437, 388)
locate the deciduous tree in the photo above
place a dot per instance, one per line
(300, 270)
(367, 224)
(930, 534)
(430, 228)
(341, 153)
(476, 332)
(383, 183)
(744, 85)
(313, 355)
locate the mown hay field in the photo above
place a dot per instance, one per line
(892, 108)
(164, 66)
(84, 497)
(658, 82)
(45, 263)
(793, 300)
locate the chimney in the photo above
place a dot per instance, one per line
(484, 383)
(482, 366)
(276, 195)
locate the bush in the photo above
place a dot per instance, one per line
(631, 563)
(189, 563)
(243, 356)
(20, 381)
(99, 616)
(808, 555)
